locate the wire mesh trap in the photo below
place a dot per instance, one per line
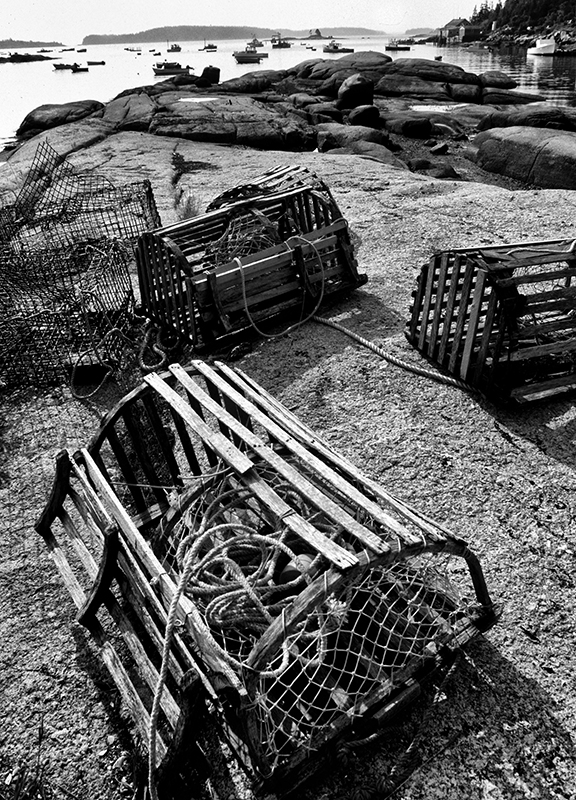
(501, 318)
(63, 311)
(276, 246)
(229, 543)
(57, 207)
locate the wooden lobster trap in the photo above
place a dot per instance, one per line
(502, 318)
(270, 583)
(276, 246)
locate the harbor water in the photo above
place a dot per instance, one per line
(26, 86)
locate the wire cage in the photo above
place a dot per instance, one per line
(62, 310)
(57, 206)
(230, 543)
(278, 245)
(502, 318)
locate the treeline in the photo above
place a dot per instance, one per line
(12, 44)
(192, 33)
(521, 15)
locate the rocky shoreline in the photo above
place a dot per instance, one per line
(364, 103)
(503, 479)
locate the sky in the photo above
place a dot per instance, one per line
(69, 21)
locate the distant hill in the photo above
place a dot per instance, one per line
(419, 32)
(191, 33)
(13, 44)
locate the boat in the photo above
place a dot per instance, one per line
(336, 47)
(170, 68)
(210, 48)
(78, 68)
(394, 44)
(63, 66)
(255, 42)
(80, 49)
(133, 49)
(45, 51)
(248, 56)
(279, 42)
(95, 63)
(174, 48)
(542, 47)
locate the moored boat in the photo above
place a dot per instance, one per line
(170, 68)
(336, 47)
(279, 42)
(95, 63)
(248, 56)
(210, 48)
(174, 48)
(542, 47)
(395, 44)
(62, 66)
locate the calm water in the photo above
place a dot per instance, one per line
(26, 86)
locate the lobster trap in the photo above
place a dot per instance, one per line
(276, 246)
(265, 589)
(62, 311)
(502, 318)
(57, 207)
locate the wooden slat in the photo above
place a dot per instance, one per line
(302, 433)
(261, 449)
(186, 611)
(450, 307)
(437, 317)
(245, 469)
(425, 313)
(470, 273)
(473, 321)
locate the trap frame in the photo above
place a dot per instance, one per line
(501, 318)
(255, 573)
(276, 246)
(57, 206)
(63, 311)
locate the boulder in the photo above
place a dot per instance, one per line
(401, 85)
(496, 79)
(436, 71)
(331, 135)
(372, 150)
(369, 63)
(542, 157)
(130, 113)
(51, 115)
(234, 120)
(534, 117)
(465, 92)
(326, 110)
(355, 91)
(503, 97)
(368, 115)
(301, 99)
(412, 125)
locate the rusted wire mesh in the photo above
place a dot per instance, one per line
(57, 207)
(364, 638)
(62, 310)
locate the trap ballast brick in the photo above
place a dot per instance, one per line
(277, 247)
(501, 318)
(287, 602)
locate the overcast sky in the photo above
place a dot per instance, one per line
(70, 20)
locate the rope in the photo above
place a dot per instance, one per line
(301, 321)
(398, 362)
(234, 601)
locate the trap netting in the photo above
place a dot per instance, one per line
(63, 310)
(356, 644)
(57, 206)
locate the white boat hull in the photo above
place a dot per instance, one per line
(543, 47)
